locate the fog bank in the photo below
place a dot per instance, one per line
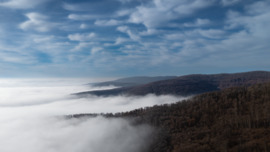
(31, 119)
(44, 134)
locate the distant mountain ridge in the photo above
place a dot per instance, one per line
(132, 81)
(189, 84)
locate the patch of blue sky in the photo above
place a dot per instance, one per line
(43, 57)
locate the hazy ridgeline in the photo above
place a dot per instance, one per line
(31, 119)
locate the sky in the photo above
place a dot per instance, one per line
(112, 38)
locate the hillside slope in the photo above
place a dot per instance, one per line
(235, 119)
(189, 84)
(132, 81)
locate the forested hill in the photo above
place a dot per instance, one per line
(235, 119)
(132, 81)
(232, 120)
(190, 84)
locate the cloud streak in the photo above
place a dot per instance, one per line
(81, 37)
(82, 17)
(22, 4)
(37, 22)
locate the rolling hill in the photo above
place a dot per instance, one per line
(132, 81)
(231, 120)
(189, 84)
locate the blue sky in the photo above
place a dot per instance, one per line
(108, 38)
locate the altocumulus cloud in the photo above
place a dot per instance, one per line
(22, 4)
(32, 118)
(37, 22)
(147, 35)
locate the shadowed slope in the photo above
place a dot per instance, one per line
(235, 119)
(189, 84)
(132, 81)
(232, 120)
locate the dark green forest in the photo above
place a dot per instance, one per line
(235, 120)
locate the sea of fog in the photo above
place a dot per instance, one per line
(31, 110)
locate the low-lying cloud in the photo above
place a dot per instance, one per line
(31, 118)
(44, 134)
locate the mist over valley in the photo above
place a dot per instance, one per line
(34, 117)
(134, 76)
(53, 116)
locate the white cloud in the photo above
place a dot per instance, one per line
(120, 40)
(111, 22)
(258, 8)
(165, 30)
(175, 36)
(132, 35)
(246, 47)
(150, 17)
(189, 7)
(35, 117)
(38, 22)
(212, 33)
(83, 26)
(124, 1)
(45, 134)
(17, 57)
(81, 37)
(82, 17)
(256, 23)
(229, 2)
(149, 32)
(124, 12)
(78, 6)
(54, 94)
(196, 34)
(198, 23)
(160, 12)
(81, 46)
(30, 50)
(22, 4)
(43, 39)
(96, 49)
(71, 7)
(122, 28)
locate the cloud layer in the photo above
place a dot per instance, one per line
(54, 94)
(129, 37)
(45, 134)
(32, 113)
